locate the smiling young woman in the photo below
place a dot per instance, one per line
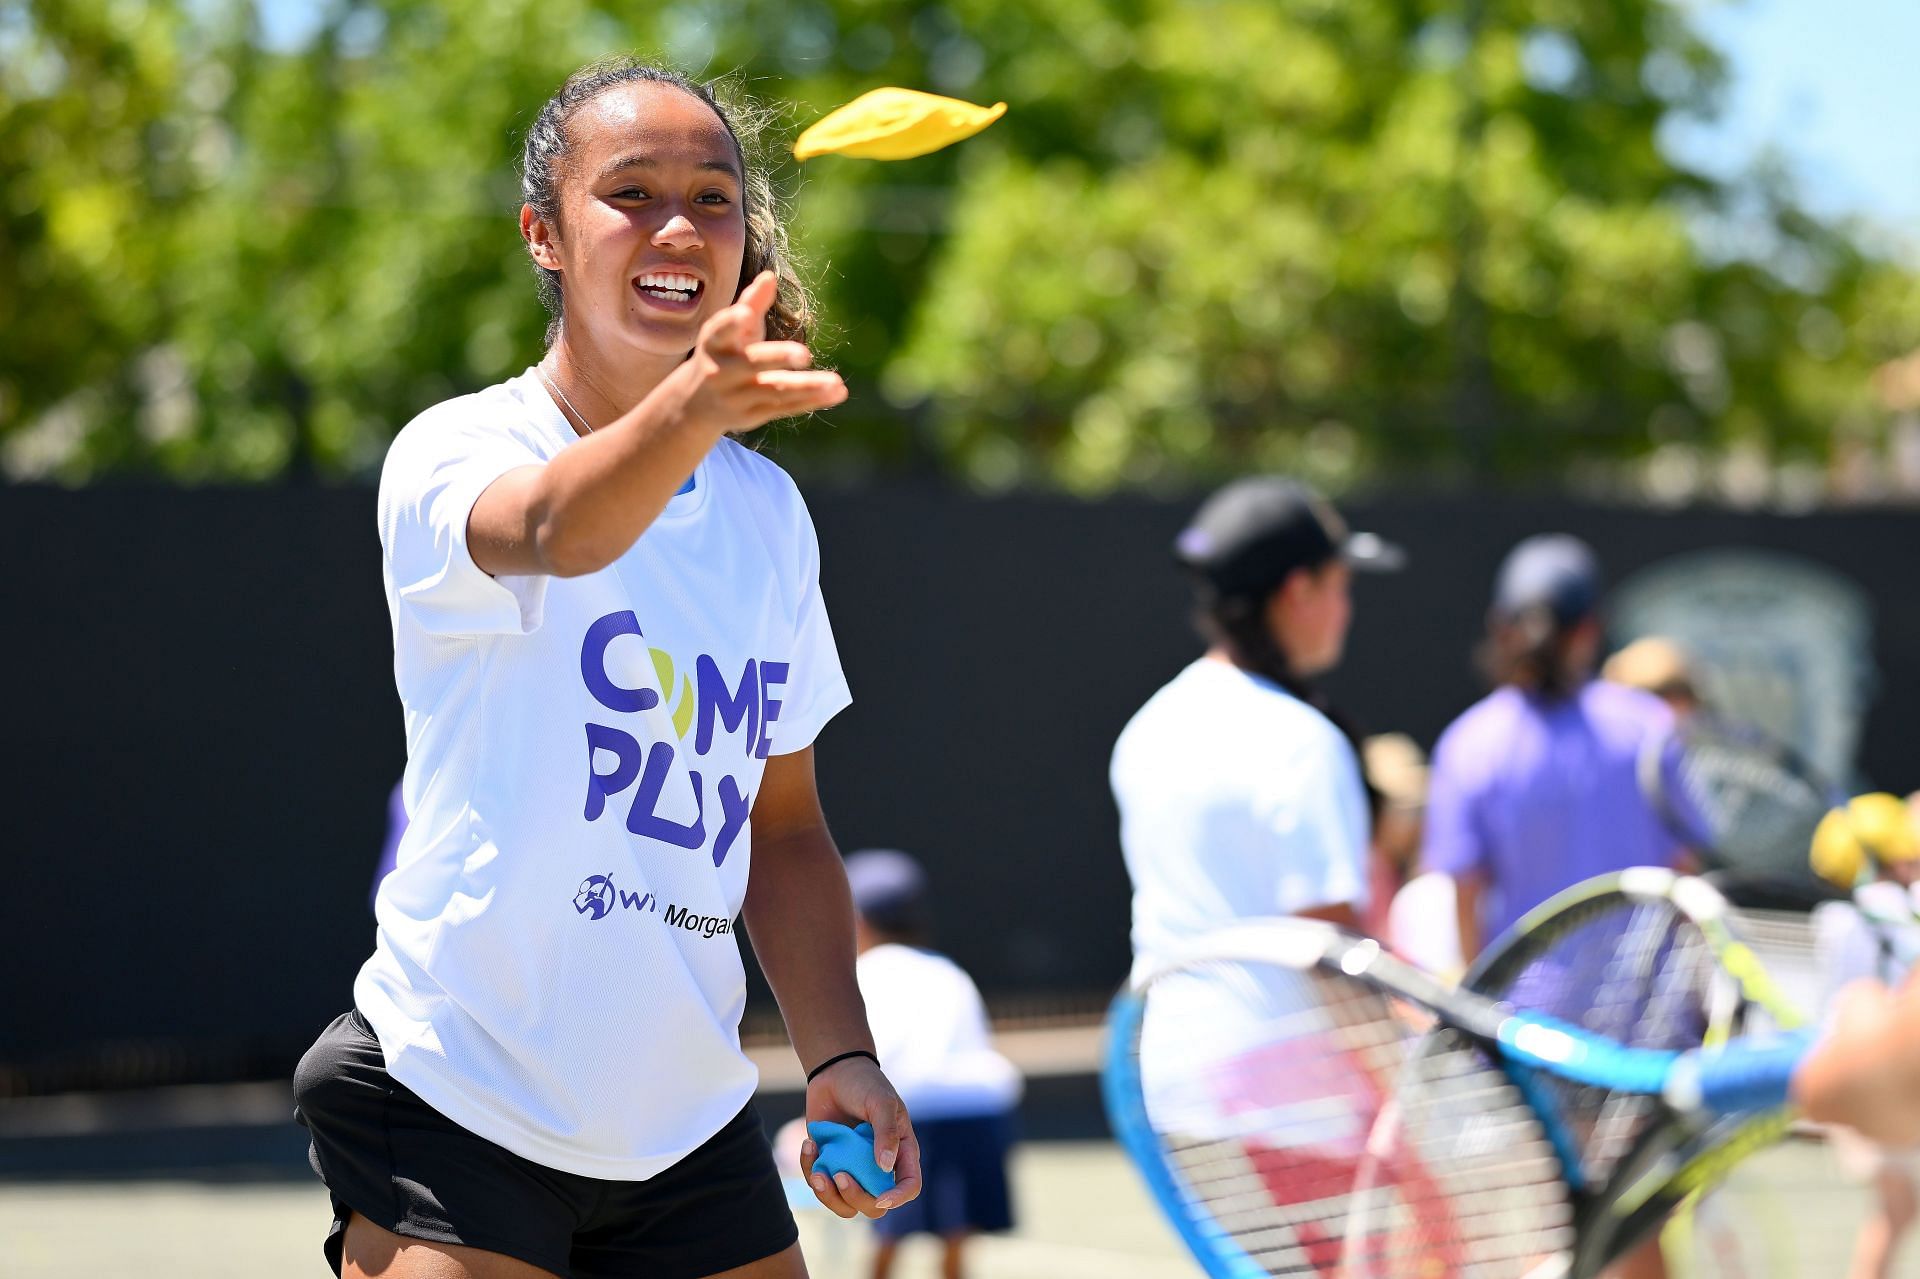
(613, 660)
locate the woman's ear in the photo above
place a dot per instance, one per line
(541, 244)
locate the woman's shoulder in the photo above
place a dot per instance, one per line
(495, 416)
(754, 470)
(1492, 715)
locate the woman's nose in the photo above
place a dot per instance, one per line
(678, 233)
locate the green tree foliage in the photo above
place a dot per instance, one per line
(1354, 237)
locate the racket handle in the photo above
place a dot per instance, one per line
(1742, 1077)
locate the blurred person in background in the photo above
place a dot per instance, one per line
(390, 848)
(931, 1031)
(1656, 665)
(1413, 913)
(1395, 770)
(1535, 787)
(1240, 793)
(1871, 848)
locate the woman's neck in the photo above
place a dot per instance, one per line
(598, 387)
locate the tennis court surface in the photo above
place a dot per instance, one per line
(1082, 1214)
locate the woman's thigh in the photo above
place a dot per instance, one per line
(373, 1253)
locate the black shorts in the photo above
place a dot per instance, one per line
(402, 1165)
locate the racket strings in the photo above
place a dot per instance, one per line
(1746, 799)
(1639, 972)
(1262, 1085)
(1654, 994)
(1269, 1141)
(1461, 1180)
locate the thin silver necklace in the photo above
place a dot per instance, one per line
(541, 369)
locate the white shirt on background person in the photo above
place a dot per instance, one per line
(931, 1033)
(1236, 800)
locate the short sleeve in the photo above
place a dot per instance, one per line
(816, 687)
(1318, 819)
(434, 473)
(1454, 842)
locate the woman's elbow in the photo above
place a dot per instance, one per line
(565, 550)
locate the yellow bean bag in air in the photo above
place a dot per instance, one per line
(894, 124)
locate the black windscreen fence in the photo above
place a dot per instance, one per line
(203, 730)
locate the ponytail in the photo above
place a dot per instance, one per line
(1533, 650)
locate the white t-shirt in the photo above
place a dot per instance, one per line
(931, 1034)
(1423, 924)
(1236, 800)
(555, 966)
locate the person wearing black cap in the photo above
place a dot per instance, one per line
(1239, 795)
(1534, 788)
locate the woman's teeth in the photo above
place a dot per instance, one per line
(670, 285)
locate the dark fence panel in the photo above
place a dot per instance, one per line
(203, 729)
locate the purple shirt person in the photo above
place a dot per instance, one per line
(1535, 788)
(396, 827)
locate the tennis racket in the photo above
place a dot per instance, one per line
(1734, 795)
(1651, 959)
(1247, 1075)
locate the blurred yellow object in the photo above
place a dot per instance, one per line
(894, 124)
(1397, 767)
(1876, 828)
(1653, 663)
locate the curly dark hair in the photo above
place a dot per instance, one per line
(543, 164)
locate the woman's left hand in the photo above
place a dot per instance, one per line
(851, 1092)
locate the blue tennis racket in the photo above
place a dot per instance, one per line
(1248, 1076)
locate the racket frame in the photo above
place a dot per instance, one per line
(1652, 1181)
(1509, 1036)
(1651, 773)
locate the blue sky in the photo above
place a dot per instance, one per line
(1834, 86)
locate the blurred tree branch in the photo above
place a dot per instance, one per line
(1358, 238)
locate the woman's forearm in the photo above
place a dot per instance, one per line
(799, 916)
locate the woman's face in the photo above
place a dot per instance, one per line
(1309, 616)
(652, 226)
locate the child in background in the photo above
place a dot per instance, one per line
(1659, 666)
(1873, 843)
(1413, 913)
(930, 1028)
(1396, 771)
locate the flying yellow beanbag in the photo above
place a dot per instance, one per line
(1875, 828)
(894, 124)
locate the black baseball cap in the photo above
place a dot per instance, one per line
(1246, 538)
(1554, 571)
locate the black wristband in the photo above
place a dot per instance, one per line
(834, 1061)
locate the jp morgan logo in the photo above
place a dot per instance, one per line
(598, 896)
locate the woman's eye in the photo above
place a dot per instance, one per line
(714, 197)
(630, 193)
